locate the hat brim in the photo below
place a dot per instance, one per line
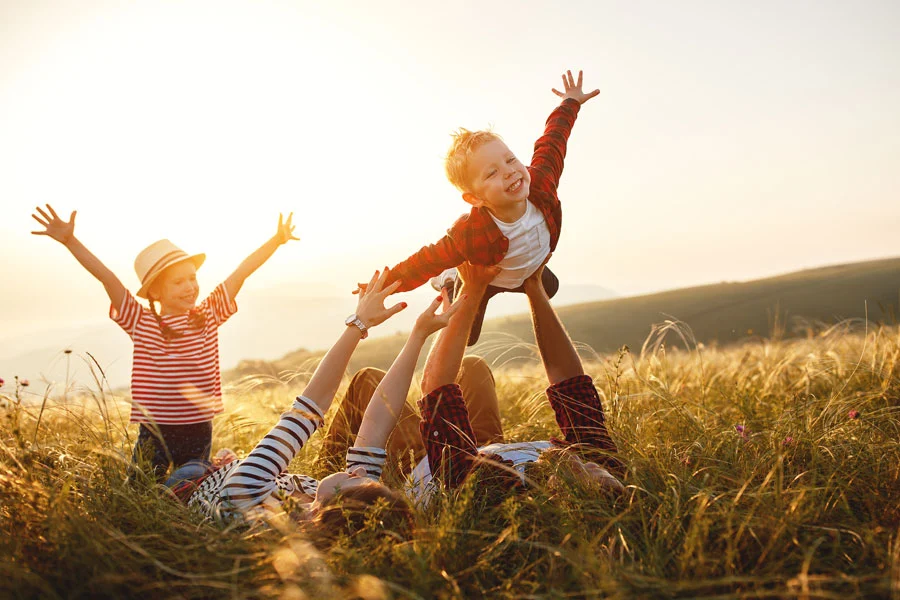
(197, 259)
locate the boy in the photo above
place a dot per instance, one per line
(516, 215)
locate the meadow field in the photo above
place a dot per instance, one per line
(770, 469)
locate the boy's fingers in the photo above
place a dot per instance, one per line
(43, 214)
(565, 82)
(39, 233)
(72, 217)
(571, 80)
(38, 219)
(52, 212)
(579, 78)
(557, 92)
(593, 94)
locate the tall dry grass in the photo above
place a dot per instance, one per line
(767, 470)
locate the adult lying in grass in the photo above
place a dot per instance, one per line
(460, 424)
(260, 484)
(452, 453)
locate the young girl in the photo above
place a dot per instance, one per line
(175, 381)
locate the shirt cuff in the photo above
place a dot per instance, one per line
(370, 458)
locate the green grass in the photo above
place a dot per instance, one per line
(805, 503)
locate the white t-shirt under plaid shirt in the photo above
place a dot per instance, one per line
(175, 381)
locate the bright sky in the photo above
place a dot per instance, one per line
(731, 140)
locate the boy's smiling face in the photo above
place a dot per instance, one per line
(497, 180)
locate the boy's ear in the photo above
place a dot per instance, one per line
(472, 199)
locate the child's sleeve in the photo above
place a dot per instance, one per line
(128, 314)
(429, 261)
(219, 305)
(550, 149)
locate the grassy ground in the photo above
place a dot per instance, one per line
(767, 470)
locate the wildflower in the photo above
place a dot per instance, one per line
(741, 430)
(24, 382)
(853, 414)
(1, 382)
(787, 441)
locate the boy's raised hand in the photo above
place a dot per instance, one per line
(572, 89)
(59, 230)
(285, 231)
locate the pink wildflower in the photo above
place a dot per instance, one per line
(741, 430)
(787, 441)
(24, 382)
(1, 382)
(853, 414)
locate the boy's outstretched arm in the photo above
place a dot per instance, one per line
(64, 233)
(284, 234)
(550, 149)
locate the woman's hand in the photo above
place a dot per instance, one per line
(370, 308)
(429, 321)
(59, 230)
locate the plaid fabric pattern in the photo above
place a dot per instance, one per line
(475, 237)
(579, 415)
(450, 442)
(447, 434)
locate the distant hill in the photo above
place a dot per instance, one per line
(724, 313)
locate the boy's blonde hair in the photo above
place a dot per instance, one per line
(464, 143)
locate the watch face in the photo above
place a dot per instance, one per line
(350, 319)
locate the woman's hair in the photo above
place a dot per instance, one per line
(349, 511)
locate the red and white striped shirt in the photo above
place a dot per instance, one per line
(176, 381)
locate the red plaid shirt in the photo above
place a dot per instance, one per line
(475, 237)
(450, 442)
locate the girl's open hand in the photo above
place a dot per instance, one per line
(429, 321)
(572, 89)
(370, 308)
(285, 231)
(59, 230)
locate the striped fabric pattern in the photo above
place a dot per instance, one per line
(176, 381)
(370, 458)
(245, 488)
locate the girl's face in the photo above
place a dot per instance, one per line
(176, 289)
(341, 480)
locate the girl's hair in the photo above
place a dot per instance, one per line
(196, 319)
(348, 511)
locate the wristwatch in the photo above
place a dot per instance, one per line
(355, 320)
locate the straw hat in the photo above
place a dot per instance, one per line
(155, 258)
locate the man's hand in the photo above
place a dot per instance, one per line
(572, 89)
(477, 277)
(534, 284)
(285, 231)
(59, 230)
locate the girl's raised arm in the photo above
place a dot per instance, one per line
(64, 233)
(283, 235)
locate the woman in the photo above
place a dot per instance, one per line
(260, 484)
